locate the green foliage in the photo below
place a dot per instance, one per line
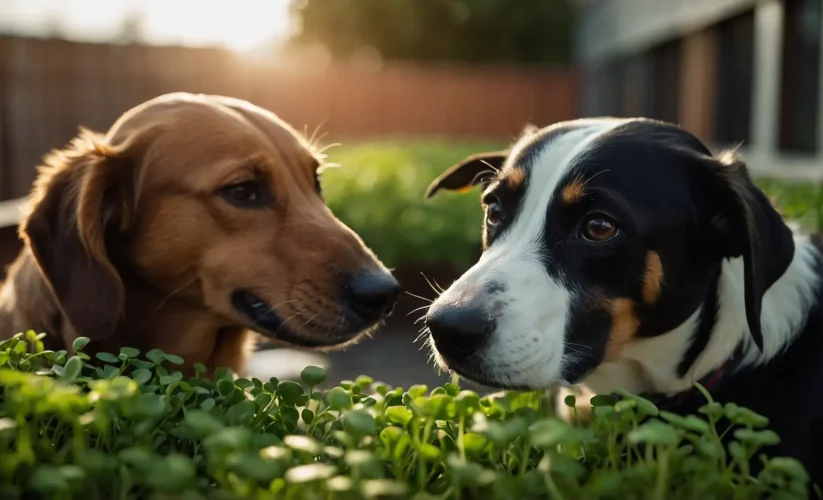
(133, 427)
(802, 201)
(378, 192)
(525, 32)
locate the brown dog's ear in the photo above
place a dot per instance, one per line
(749, 226)
(476, 169)
(65, 231)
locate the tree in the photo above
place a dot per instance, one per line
(477, 31)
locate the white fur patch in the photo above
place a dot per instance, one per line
(531, 314)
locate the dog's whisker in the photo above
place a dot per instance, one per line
(328, 147)
(286, 321)
(419, 297)
(491, 167)
(272, 308)
(439, 293)
(308, 321)
(313, 139)
(438, 286)
(578, 345)
(175, 292)
(587, 181)
(418, 309)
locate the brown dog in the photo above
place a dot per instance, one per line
(194, 221)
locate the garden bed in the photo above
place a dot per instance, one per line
(127, 425)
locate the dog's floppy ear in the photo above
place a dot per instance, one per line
(476, 169)
(72, 203)
(749, 226)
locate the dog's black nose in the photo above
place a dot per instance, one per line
(372, 294)
(459, 331)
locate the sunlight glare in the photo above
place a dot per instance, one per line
(240, 25)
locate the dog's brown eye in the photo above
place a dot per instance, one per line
(248, 194)
(493, 210)
(318, 187)
(599, 229)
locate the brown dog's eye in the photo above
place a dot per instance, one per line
(599, 228)
(248, 194)
(317, 186)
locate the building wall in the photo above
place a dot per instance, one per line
(747, 73)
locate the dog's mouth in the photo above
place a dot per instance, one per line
(267, 322)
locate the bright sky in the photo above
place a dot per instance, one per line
(237, 24)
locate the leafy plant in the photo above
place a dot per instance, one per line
(128, 425)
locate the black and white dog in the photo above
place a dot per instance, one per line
(621, 253)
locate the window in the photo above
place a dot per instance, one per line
(735, 73)
(800, 89)
(663, 101)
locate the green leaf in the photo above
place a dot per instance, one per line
(313, 375)
(360, 423)
(338, 398)
(760, 438)
(289, 392)
(79, 343)
(171, 378)
(202, 422)
(255, 466)
(244, 383)
(47, 479)
(73, 368)
(107, 357)
(562, 465)
(429, 452)
(654, 432)
(399, 415)
(149, 405)
(307, 415)
(241, 414)
(173, 359)
(139, 363)
(156, 356)
(262, 400)
(225, 387)
(129, 352)
(141, 376)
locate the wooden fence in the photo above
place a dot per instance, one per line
(49, 87)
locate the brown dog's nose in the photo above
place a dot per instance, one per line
(371, 294)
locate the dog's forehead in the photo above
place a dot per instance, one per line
(614, 152)
(195, 134)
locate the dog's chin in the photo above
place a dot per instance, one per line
(477, 368)
(262, 318)
(472, 370)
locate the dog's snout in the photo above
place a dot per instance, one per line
(459, 330)
(371, 294)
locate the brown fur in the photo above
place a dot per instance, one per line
(572, 192)
(652, 278)
(514, 178)
(127, 242)
(624, 327)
